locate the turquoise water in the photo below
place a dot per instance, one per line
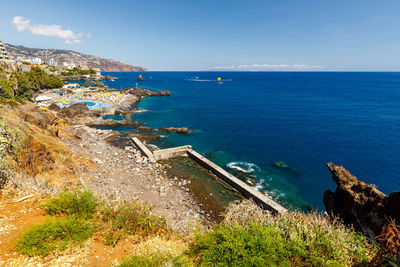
(304, 119)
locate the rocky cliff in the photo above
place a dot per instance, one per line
(360, 204)
(72, 57)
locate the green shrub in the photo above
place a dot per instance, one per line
(54, 236)
(145, 261)
(83, 204)
(156, 259)
(21, 85)
(258, 245)
(292, 239)
(130, 218)
(77, 71)
(6, 89)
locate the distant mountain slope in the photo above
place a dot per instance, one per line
(72, 57)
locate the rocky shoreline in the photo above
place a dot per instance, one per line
(121, 173)
(126, 175)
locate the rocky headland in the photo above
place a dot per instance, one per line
(359, 204)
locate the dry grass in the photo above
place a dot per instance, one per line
(243, 212)
(158, 251)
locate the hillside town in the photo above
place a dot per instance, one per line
(66, 59)
(64, 69)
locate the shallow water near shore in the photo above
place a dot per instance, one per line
(212, 194)
(303, 119)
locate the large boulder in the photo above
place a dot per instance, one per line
(359, 204)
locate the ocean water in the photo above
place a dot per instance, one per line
(302, 119)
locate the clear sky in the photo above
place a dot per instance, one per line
(218, 34)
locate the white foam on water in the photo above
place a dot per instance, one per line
(151, 145)
(243, 166)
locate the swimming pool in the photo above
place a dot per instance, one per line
(90, 104)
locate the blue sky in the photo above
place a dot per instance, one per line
(206, 35)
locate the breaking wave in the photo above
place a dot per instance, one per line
(243, 166)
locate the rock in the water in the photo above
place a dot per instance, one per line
(144, 137)
(281, 164)
(140, 78)
(145, 92)
(175, 130)
(145, 129)
(360, 204)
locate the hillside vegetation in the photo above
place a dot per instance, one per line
(22, 85)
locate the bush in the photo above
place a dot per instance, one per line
(156, 260)
(145, 261)
(6, 89)
(292, 239)
(130, 218)
(258, 245)
(23, 85)
(55, 235)
(82, 204)
(77, 71)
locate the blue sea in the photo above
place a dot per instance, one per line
(248, 121)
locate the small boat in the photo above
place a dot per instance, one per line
(112, 80)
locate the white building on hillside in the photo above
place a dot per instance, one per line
(69, 65)
(52, 62)
(36, 61)
(3, 52)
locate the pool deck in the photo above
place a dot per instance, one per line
(96, 98)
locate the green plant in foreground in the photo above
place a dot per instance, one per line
(156, 259)
(145, 261)
(54, 236)
(236, 246)
(292, 239)
(83, 204)
(130, 218)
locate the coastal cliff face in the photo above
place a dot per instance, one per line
(360, 204)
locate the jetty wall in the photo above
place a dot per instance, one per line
(239, 185)
(171, 152)
(143, 149)
(236, 183)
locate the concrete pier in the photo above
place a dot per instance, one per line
(144, 149)
(242, 187)
(171, 152)
(239, 185)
